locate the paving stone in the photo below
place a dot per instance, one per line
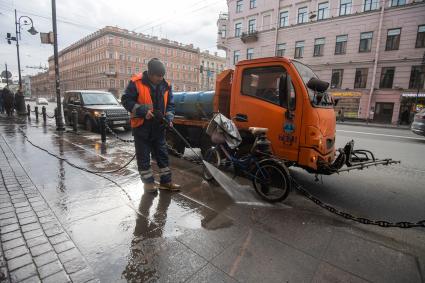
(41, 208)
(37, 241)
(28, 220)
(30, 227)
(10, 228)
(58, 238)
(23, 209)
(23, 273)
(23, 215)
(43, 213)
(11, 235)
(8, 221)
(69, 255)
(53, 231)
(15, 252)
(64, 246)
(45, 258)
(33, 234)
(75, 265)
(13, 243)
(19, 262)
(5, 204)
(60, 277)
(50, 225)
(50, 269)
(33, 279)
(38, 203)
(7, 215)
(21, 204)
(41, 249)
(35, 199)
(82, 276)
(6, 209)
(46, 219)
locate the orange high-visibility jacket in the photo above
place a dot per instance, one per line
(143, 98)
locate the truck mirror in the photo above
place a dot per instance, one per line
(285, 93)
(317, 85)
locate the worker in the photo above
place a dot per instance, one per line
(149, 99)
(9, 101)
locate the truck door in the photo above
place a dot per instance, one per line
(257, 97)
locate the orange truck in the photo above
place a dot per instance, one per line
(277, 93)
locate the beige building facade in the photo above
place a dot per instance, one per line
(106, 60)
(210, 66)
(364, 51)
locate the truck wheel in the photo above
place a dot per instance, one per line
(271, 181)
(175, 143)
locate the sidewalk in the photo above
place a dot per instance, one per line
(60, 224)
(374, 125)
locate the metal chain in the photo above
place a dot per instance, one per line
(362, 220)
(116, 135)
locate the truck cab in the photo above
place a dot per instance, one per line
(273, 93)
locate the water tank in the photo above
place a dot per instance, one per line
(194, 105)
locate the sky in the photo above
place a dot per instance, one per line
(186, 21)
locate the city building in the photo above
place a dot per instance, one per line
(42, 85)
(106, 59)
(211, 65)
(370, 51)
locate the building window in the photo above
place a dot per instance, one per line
(236, 55)
(284, 19)
(345, 7)
(280, 50)
(238, 29)
(251, 26)
(365, 41)
(137, 70)
(249, 54)
(323, 11)
(302, 15)
(111, 39)
(341, 44)
(239, 6)
(121, 83)
(395, 3)
(416, 78)
(223, 32)
(361, 78)
(112, 83)
(370, 5)
(252, 4)
(299, 49)
(129, 70)
(319, 46)
(387, 77)
(420, 38)
(111, 55)
(111, 68)
(336, 79)
(393, 39)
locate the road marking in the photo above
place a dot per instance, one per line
(382, 135)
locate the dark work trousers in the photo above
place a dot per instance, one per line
(158, 148)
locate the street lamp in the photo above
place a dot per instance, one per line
(17, 37)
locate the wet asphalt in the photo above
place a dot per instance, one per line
(201, 234)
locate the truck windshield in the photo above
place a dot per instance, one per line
(98, 98)
(317, 99)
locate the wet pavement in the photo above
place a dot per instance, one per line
(202, 234)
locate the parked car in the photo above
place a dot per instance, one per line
(41, 101)
(90, 105)
(418, 125)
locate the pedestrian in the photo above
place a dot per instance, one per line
(149, 99)
(9, 101)
(342, 114)
(1, 101)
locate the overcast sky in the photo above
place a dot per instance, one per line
(186, 21)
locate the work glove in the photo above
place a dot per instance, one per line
(158, 116)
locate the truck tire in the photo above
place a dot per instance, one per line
(175, 143)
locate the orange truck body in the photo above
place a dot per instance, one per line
(311, 139)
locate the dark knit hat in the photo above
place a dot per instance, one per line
(156, 67)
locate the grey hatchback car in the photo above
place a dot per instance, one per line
(90, 105)
(418, 125)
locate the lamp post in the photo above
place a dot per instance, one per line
(20, 103)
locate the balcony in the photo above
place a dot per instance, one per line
(250, 36)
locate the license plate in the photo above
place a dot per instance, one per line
(119, 122)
